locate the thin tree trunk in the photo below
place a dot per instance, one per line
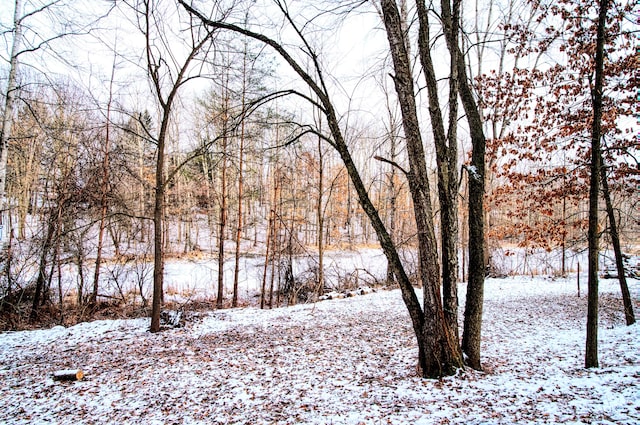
(275, 240)
(615, 240)
(275, 237)
(105, 189)
(393, 200)
(80, 263)
(158, 233)
(7, 116)
(58, 264)
(591, 351)
(25, 201)
(8, 272)
(319, 212)
(42, 268)
(141, 187)
(266, 258)
(223, 223)
(564, 235)
(236, 270)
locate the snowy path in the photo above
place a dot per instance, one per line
(345, 361)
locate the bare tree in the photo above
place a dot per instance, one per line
(241, 153)
(223, 213)
(104, 186)
(446, 147)
(7, 116)
(471, 337)
(168, 73)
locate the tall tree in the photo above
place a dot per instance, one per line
(471, 337)
(7, 116)
(168, 72)
(104, 187)
(223, 213)
(320, 211)
(241, 153)
(446, 160)
(591, 352)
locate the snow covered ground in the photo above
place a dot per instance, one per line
(348, 361)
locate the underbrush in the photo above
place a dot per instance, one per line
(16, 312)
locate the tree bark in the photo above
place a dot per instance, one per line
(320, 215)
(239, 227)
(42, 267)
(267, 256)
(222, 225)
(158, 216)
(591, 351)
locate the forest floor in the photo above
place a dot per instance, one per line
(346, 361)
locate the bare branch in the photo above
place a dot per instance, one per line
(392, 163)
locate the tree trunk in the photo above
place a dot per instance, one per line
(80, 259)
(236, 270)
(615, 241)
(42, 267)
(591, 351)
(7, 116)
(104, 186)
(275, 237)
(266, 258)
(58, 262)
(393, 195)
(446, 146)
(158, 247)
(471, 336)
(320, 215)
(222, 225)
